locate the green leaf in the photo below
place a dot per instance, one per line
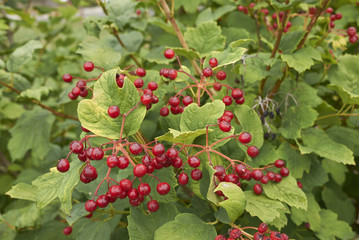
(26, 131)
(78, 211)
(310, 215)
(336, 170)
(236, 201)
(125, 7)
(317, 176)
(100, 54)
(302, 59)
(22, 55)
(347, 136)
(306, 94)
(188, 53)
(264, 208)
(186, 137)
(92, 25)
(16, 80)
(205, 38)
(94, 230)
(317, 141)
(297, 118)
(295, 162)
(331, 227)
(23, 191)
(143, 227)
(185, 226)
(132, 40)
(36, 93)
(291, 40)
(286, 191)
(93, 113)
(189, 6)
(207, 15)
(229, 56)
(194, 117)
(56, 184)
(6, 232)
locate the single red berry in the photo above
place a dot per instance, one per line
(158, 149)
(84, 179)
(240, 101)
(225, 126)
(164, 111)
(329, 10)
(275, 236)
(113, 111)
(196, 174)
(144, 189)
(90, 172)
(152, 86)
(76, 147)
(126, 184)
(183, 179)
(257, 189)
(121, 80)
(194, 161)
(148, 92)
(135, 148)
(241, 169)
(146, 99)
(76, 91)
(265, 11)
(84, 93)
(227, 100)
(169, 53)
(153, 206)
(217, 86)
(220, 237)
(165, 72)
(228, 114)
(225, 119)
(140, 170)
(213, 62)
(115, 191)
(81, 84)
(312, 10)
(89, 66)
(110, 198)
(122, 162)
(220, 170)
(174, 101)
(135, 202)
(172, 74)
(353, 39)
(338, 16)
(89, 215)
(253, 151)
(271, 175)
(332, 17)
(258, 236)
(257, 174)
(138, 83)
(300, 185)
(67, 230)
(172, 153)
(277, 177)
(89, 152)
(97, 154)
(67, 77)
(245, 137)
(284, 171)
(262, 228)
(221, 75)
(187, 100)
(163, 188)
(112, 161)
(235, 233)
(154, 99)
(279, 163)
(240, 8)
(265, 179)
(207, 72)
(237, 93)
(63, 165)
(177, 162)
(284, 237)
(132, 194)
(141, 72)
(102, 201)
(233, 178)
(82, 156)
(251, 5)
(90, 205)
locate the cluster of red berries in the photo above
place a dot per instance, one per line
(245, 9)
(280, 15)
(242, 172)
(176, 108)
(353, 38)
(333, 17)
(80, 89)
(233, 233)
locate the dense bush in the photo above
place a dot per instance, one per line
(179, 119)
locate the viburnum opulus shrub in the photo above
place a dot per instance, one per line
(179, 119)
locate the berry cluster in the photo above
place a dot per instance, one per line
(353, 38)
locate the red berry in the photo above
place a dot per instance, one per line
(245, 137)
(240, 101)
(158, 149)
(284, 171)
(84, 93)
(154, 99)
(140, 170)
(262, 228)
(177, 162)
(277, 178)
(194, 161)
(228, 113)
(220, 170)
(132, 194)
(97, 154)
(138, 83)
(89, 152)
(196, 174)
(225, 119)
(152, 86)
(84, 179)
(163, 188)
(110, 198)
(81, 84)
(67, 77)
(271, 175)
(338, 16)
(90, 172)
(312, 10)
(172, 153)
(258, 236)
(329, 10)
(300, 185)
(115, 191)
(353, 39)
(240, 8)
(221, 75)
(76, 91)
(144, 189)
(63, 165)
(120, 80)
(257, 189)
(153, 206)
(183, 179)
(122, 162)
(102, 201)
(82, 156)
(112, 161)
(227, 100)
(76, 147)
(257, 174)
(251, 5)
(252, 151)
(225, 126)
(113, 111)
(141, 72)
(233, 178)
(126, 184)
(146, 99)
(213, 62)
(169, 53)
(265, 179)
(89, 66)
(220, 237)
(67, 230)
(135, 148)
(172, 74)
(217, 86)
(279, 163)
(241, 169)
(187, 100)
(174, 101)
(332, 17)
(90, 205)
(237, 93)
(164, 111)
(235, 233)
(207, 72)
